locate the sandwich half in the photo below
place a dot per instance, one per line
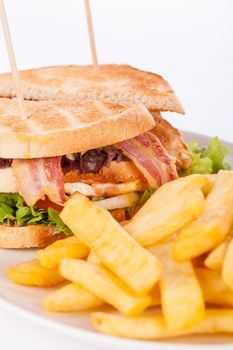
(53, 153)
(88, 131)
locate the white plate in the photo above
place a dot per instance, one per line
(26, 302)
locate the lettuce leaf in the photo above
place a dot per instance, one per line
(207, 160)
(14, 211)
(144, 197)
(55, 220)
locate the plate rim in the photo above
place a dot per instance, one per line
(94, 338)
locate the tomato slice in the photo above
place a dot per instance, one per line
(48, 204)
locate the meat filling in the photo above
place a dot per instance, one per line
(91, 161)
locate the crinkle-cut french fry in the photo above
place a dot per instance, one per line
(71, 246)
(117, 250)
(170, 208)
(227, 270)
(181, 295)
(71, 297)
(106, 286)
(31, 273)
(93, 258)
(215, 290)
(214, 260)
(152, 327)
(212, 227)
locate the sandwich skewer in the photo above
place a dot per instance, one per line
(12, 60)
(91, 33)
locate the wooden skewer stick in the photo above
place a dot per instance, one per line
(11, 56)
(91, 33)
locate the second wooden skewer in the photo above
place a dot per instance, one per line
(91, 33)
(11, 56)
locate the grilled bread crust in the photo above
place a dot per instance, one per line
(114, 83)
(34, 236)
(56, 128)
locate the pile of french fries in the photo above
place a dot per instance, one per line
(176, 252)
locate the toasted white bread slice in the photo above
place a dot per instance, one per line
(56, 128)
(34, 236)
(114, 83)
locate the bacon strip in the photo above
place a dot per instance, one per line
(172, 141)
(151, 158)
(36, 178)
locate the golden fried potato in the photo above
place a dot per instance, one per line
(155, 292)
(71, 246)
(31, 273)
(181, 295)
(215, 258)
(152, 327)
(132, 263)
(171, 207)
(199, 261)
(212, 178)
(93, 258)
(156, 296)
(215, 291)
(227, 270)
(106, 286)
(71, 297)
(212, 227)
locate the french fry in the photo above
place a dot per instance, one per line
(214, 260)
(106, 286)
(132, 263)
(72, 247)
(199, 261)
(212, 227)
(156, 296)
(93, 258)
(227, 270)
(155, 292)
(31, 273)
(212, 178)
(171, 207)
(71, 297)
(215, 291)
(154, 327)
(181, 295)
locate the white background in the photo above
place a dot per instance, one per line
(189, 42)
